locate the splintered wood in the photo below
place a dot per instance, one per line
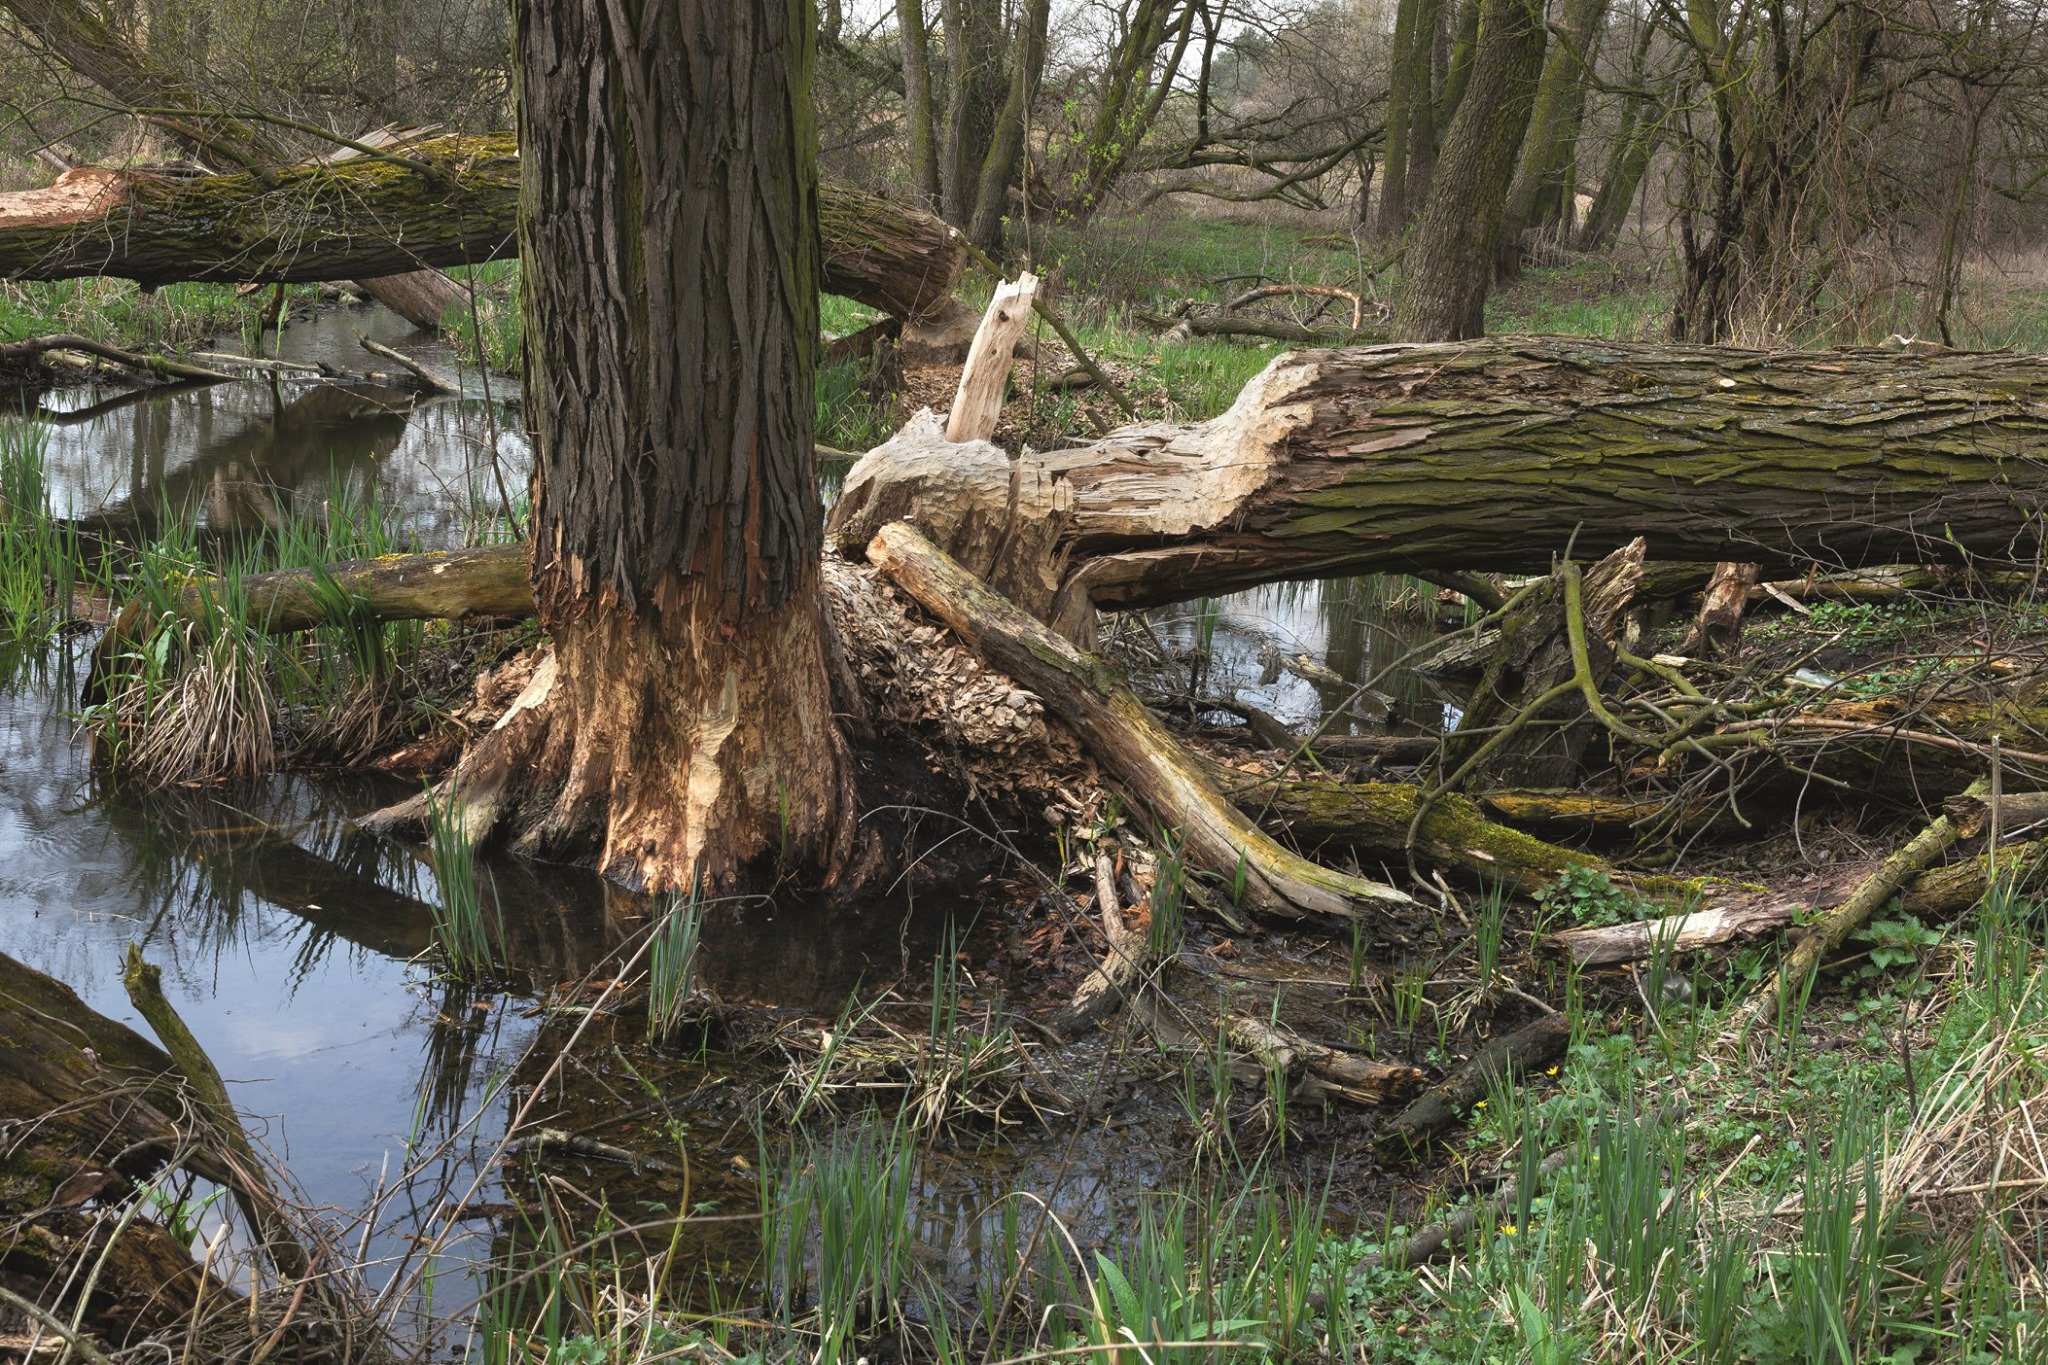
(979, 401)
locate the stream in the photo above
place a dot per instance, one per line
(293, 943)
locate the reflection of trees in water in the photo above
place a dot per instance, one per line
(1371, 621)
(245, 477)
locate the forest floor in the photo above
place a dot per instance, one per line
(1860, 1179)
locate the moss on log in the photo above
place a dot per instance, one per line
(445, 201)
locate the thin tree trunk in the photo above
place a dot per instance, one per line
(1006, 136)
(917, 102)
(1547, 151)
(1450, 261)
(1400, 105)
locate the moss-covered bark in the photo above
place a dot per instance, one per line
(443, 202)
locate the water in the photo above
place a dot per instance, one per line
(290, 941)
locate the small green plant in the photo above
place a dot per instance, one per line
(672, 964)
(1587, 897)
(461, 938)
(1897, 942)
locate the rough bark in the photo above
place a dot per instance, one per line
(1537, 194)
(1394, 458)
(915, 43)
(85, 1098)
(1319, 1072)
(446, 201)
(1165, 783)
(1450, 260)
(1718, 628)
(683, 730)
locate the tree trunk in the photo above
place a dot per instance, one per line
(1006, 134)
(1450, 261)
(1545, 163)
(974, 92)
(916, 45)
(449, 201)
(1495, 455)
(685, 730)
(1400, 109)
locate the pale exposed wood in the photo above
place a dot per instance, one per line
(1123, 964)
(979, 400)
(1719, 624)
(1437, 1109)
(1163, 781)
(421, 297)
(1610, 943)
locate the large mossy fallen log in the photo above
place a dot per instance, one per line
(1496, 454)
(447, 201)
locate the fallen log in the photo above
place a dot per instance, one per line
(1317, 1072)
(1798, 965)
(433, 379)
(1445, 1104)
(1374, 819)
(451, 585)
(1392, 458)
(446, 201)
(156, 366)
(1165, 783)
(1935, 894)
(1122, 967)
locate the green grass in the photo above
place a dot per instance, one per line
(175, 317)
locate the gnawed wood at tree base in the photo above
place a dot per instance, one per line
(1165, 783)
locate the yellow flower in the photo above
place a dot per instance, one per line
(1508, 1229)
(1480, 1105)
(1551, 1072)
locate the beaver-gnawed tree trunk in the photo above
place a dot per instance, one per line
(684, 725)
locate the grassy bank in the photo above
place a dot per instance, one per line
(1861, 1183)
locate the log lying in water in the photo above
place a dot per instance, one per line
(449, 585)
(1318, 1072)
(1443, 1105)
(1494, 454)
(1165, 782)
(445, 201)
(85, 1101)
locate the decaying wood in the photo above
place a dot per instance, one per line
(1389, 457)
(444, 201)
(1318, 1072)
(1934, 894)
(435, 381)
(421, 297)
(1313, 291)
(1845, 919)
(156, 366)
(1374, 820)
(1719, 625)
(1165, 783)
(2018, 814)
(1196, 324)
(1123, 964)
(248, 1183)
(978, 402)
(86, 1099)
(1546, 646)
(1446, 1103)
